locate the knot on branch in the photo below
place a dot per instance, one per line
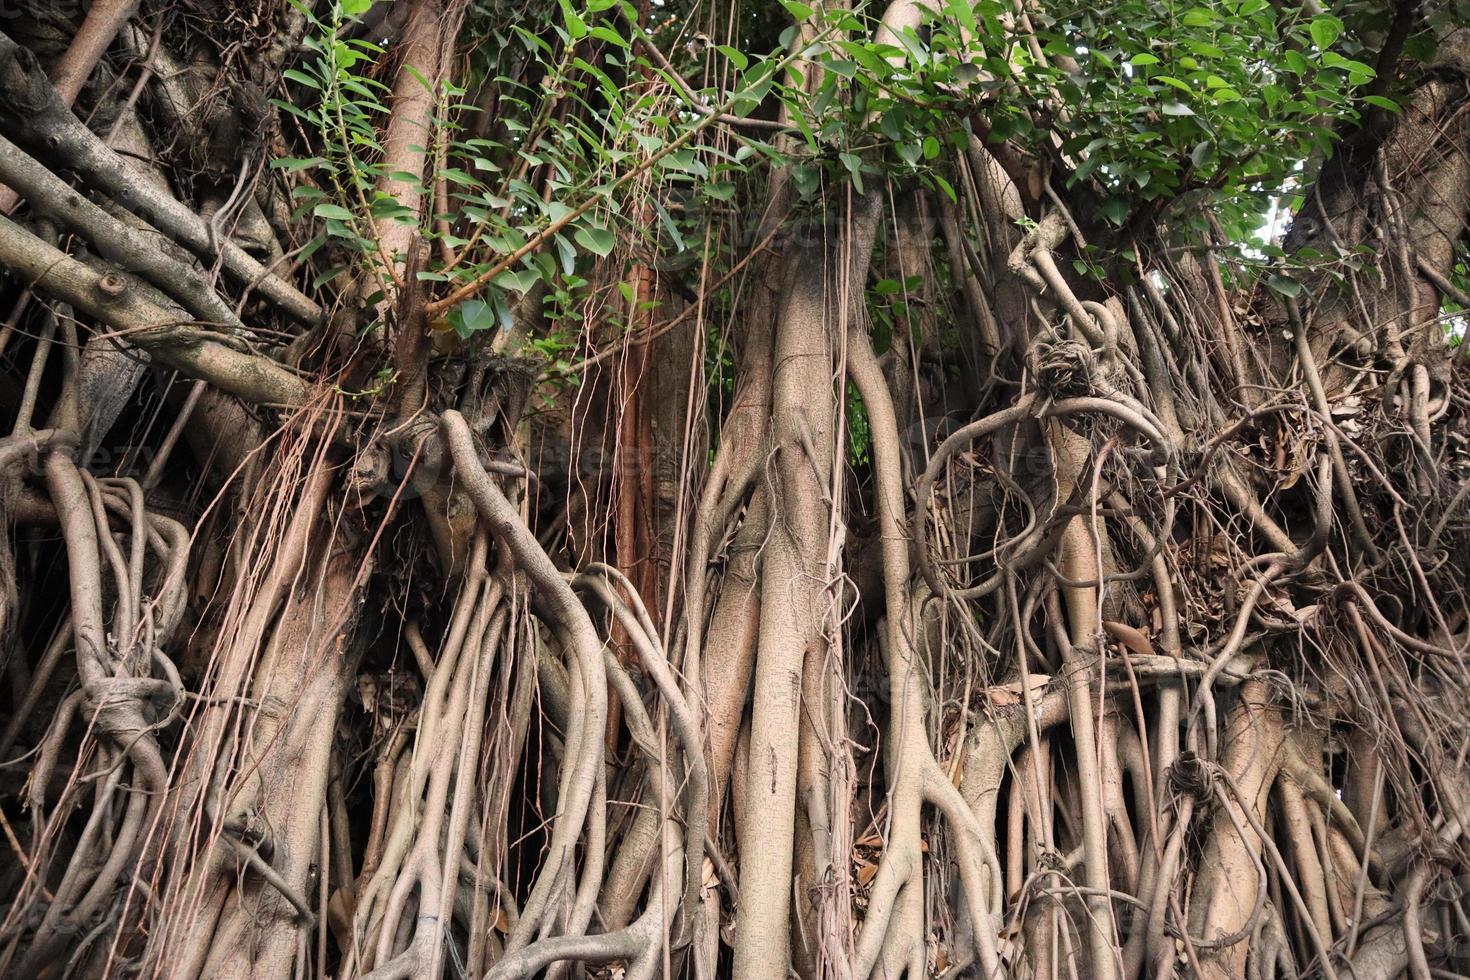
(1066, 368)
(22, 80)
(119, 706)
(509, 382)
(112, 286)
(372, 471)
(1052, 860)
(1193, 776)
(248, 829)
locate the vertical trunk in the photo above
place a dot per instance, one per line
(1227, 892)
(301, 685)
(793, 612)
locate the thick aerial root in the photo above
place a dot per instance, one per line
(413, 567)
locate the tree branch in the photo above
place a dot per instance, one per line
(116, 300)
(40, 118)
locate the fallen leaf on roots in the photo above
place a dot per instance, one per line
(1004, 695)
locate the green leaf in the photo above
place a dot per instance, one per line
(1139, 60)
(609, 35)
(1358, 72)
(854, 165)
(1284, 285)
(1177, 109)
(944, 186)
(1325, 29)
(1085, 169)
(807, 178)
(737, 57)
(594, 239)
(1381, 102)
(472, 316)
(720, 190)
(576, 27)
(963, 12)
(335, 211)
(520, 280)
(798, 11)
(301, 77)
(293, 164)
(669, 226)
(568, 255)
(685, 161)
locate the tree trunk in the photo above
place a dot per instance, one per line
(530, 490)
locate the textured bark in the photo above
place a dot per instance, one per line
(826, 577)
(793, 611)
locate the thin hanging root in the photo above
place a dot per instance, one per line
(112, 700)
(913, 763)
(400, 849)
(635, 621)
(559, 606)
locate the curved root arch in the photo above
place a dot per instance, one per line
(877, 582)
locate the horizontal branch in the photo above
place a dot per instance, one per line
(118, 301)
(41, 120)
(52, 198)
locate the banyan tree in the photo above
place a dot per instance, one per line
(687, 488)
